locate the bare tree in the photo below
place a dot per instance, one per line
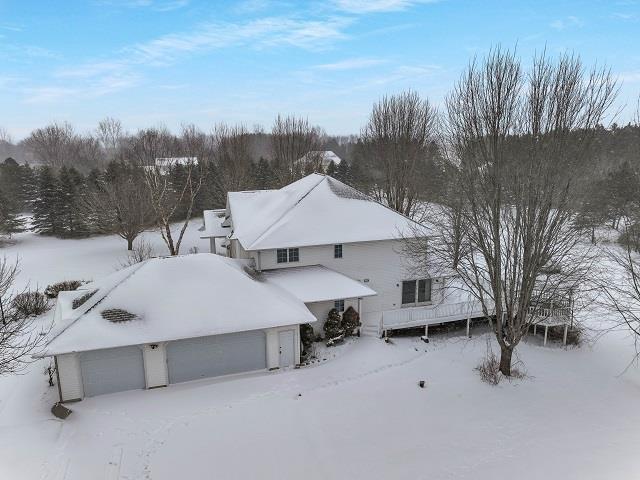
(120, 203)
(167, 197)
(511, 135)
(398, 140)
(110, 135)
(291, 139)
(53, 145)
(20, 338)
(233, 157)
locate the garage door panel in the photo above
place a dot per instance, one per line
(112, 370)
(203, 357)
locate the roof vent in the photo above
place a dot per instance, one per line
(81, 300)
(117, 315)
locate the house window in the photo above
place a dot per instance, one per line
(337, 251)
(282, 255)
(294, 255)
(339, 305)
(416, 291)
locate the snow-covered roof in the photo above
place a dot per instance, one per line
(213, 220)
(172, 298)
(317, 283)
(315, 210)
(326, 156)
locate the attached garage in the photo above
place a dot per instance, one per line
(127, 332)
(213, 356)
(112, 370)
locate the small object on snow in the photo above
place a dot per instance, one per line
(424, 338)
(60, 411)
(421, 383)
(388, 340)
(299, 394)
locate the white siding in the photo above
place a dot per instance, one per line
(320, 310)
(69, 377)
(380, 265)
(155, 365)
(273, 345)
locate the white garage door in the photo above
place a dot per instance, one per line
(112, 370)
(203, 357)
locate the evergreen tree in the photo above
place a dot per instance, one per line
(331, 169)
(350, 321)
(70, 192)
(45, 204)
(333, 325)
(10, 220)
(342, 172)
(262, 175)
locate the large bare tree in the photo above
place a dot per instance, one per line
(520, 140)
(233, 157)
(291, 139)
(174, 201)
(54, 145)
(398, 141)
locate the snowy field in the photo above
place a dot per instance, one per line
(358, 415)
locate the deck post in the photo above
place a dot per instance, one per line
(564, 339)
(535, 327)
(546, 330)
(468, 325)
(426, 331)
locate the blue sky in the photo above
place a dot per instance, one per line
(150, 62)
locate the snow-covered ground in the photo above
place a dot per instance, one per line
(358, 415)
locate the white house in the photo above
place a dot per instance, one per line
(321, 157)
(304, 234)
(284, 258)
(170, 320)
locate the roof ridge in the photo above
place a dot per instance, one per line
(75, 320)
(259, 237)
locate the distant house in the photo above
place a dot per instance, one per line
(320, 158)
(165, 164)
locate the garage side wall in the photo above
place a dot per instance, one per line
(69, 377)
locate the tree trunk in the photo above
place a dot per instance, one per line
(505, 361)
(129, 244)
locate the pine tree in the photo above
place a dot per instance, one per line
(262, 175)
(10, 220)
(331, 169)
(333, 325)
(350, 321)
(45, 204)
(342, 172)
(69, 203)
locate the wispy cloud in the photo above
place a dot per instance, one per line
(630, 77)
(374, 6)
(17, 52)
(625, 17)
(351, 64)
(91, 88)
(566, 23)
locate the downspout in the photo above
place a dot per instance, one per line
(55, 360)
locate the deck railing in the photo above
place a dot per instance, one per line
(430, 314)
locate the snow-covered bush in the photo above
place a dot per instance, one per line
(333, 327)
(350, 321)
(489, 368)
(54, 289)
(307, 337)
(29, 304)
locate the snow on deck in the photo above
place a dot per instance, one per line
(317, 283)
(180, 297)
(213, 224)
